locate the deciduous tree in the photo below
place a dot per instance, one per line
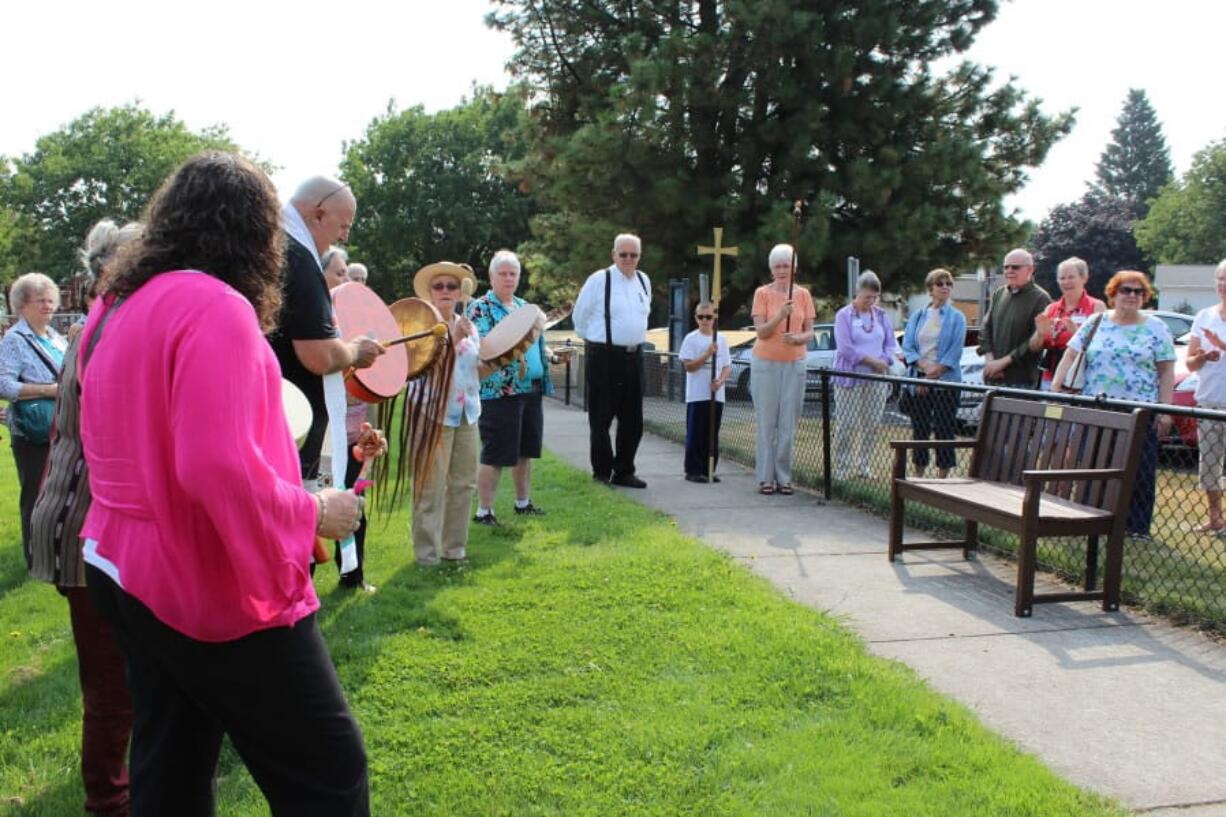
(105, 163)
(1187, 222)
(434, 187)
(1097, 229)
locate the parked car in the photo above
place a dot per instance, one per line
(818, 355)
(1179, 323)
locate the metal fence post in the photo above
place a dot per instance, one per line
(567, 380)
(827, 480)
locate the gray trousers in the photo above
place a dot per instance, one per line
(778, 389)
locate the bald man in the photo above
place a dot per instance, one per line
(1004, 338)
(317, 216)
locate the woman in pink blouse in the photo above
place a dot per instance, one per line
(199, 537)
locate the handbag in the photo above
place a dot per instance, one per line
(32, 417)
(1075, 377)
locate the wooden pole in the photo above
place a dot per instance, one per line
(717, 250)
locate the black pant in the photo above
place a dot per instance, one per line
(698, 434)
(614, 390)
(354, 577)
(936, 411)
(31, 461)
(274, 692)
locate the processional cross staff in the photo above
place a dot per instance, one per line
(718, 250)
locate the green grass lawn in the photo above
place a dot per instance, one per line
(591, 662)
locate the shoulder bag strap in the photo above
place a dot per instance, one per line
(42, 356)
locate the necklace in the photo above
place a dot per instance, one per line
(872, 320)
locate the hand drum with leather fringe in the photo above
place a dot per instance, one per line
(415, 316)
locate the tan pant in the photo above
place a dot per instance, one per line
(442, 505)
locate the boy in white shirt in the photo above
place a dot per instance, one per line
(700, 389)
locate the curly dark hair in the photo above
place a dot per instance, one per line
(218, 214)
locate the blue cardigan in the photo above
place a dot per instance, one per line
(949, 344)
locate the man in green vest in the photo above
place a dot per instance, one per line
(1004, 338)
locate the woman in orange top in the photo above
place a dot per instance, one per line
(777, 370)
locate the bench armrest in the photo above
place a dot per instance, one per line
(1072, 474)
(910, 444)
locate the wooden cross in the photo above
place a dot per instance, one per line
(718, 250)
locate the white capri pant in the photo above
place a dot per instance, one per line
(778, 389)
(1211, 435)
(857, 418)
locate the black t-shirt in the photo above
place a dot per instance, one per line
(306, 314)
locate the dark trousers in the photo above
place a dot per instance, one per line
(274, 692)
(698, 434)
(1141, 506)
(31, 461)
(354, 577)
(934, 412)
(614, 391)
(106, 723)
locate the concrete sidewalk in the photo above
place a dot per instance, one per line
(1118, 703)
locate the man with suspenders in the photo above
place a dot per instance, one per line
(611, 315)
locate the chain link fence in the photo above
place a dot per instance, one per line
(1172, 565)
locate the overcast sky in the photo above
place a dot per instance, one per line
(293, 81)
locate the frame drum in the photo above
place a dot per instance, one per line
(297, 409)
(416, 315)
(512, 336)
(360, 312)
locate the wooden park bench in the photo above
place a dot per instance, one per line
(1037, 469)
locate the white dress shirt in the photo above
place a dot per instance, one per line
(629, 307)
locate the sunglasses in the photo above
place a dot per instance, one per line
(449, 286)
(942, 283)
(627, 255)
(1016, 266)
(705, 317)
(320, 203)
(1131, 290)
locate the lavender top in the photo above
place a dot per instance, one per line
(858, 336)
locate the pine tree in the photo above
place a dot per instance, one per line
(668, 118)
(1137, 163)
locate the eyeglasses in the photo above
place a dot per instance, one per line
(1016, 266)
(627, 255)
(439, 286)
(1131, 290)
(320, 203)
(705, 317)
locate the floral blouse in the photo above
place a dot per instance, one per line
(485, 313)
(464, 399)
(1122, 361)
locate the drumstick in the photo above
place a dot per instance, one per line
(438, 330)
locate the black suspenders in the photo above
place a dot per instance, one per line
(608, 297)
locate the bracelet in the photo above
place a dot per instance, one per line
(322, 504)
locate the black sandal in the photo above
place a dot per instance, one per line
(766, 488)
(785, 489)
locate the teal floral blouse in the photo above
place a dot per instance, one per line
(485, 313)
(1122, 361)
